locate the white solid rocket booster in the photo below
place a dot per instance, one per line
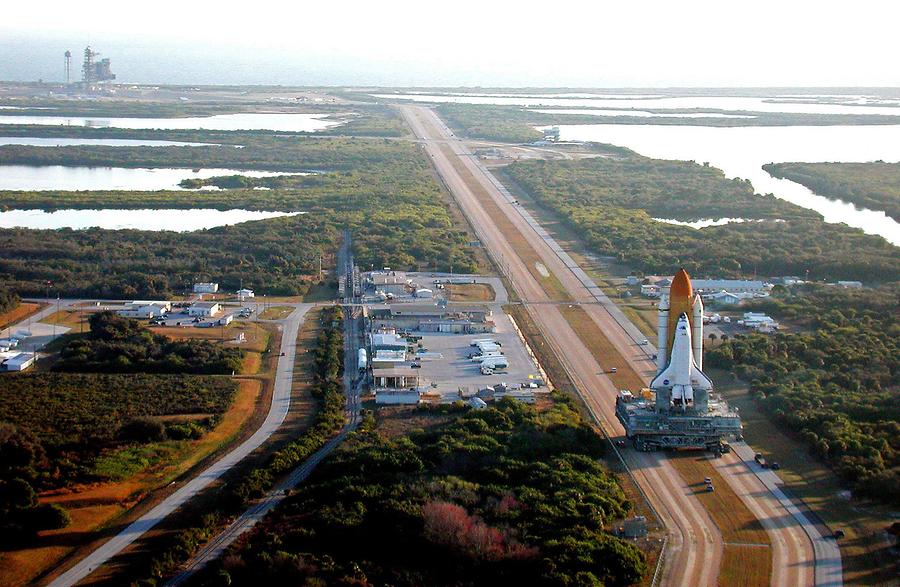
(697, 332)
(662, 334)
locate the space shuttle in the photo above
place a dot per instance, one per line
(680, 381)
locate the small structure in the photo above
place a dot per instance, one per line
(635, 527)
(477, 403)
(396, 398)
(631, 280)
(206, 287)
(650, 290)
(244, 294)
(19, 362)
(226, 319)
(424, 293)
(204, 309)
(727, 298)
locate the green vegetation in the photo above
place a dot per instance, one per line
(392, 203)
(123, 345)
(21, 459)
(870, 185)
(501, 496)
(265, 152)
(835, 386)
(493, 123)
(79, 417)
(8, 300)
(612, 203)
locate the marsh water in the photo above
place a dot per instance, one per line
(276, 121)
(76, 178)
(68, 142)
(141, 219)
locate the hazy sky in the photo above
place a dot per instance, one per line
(462, 42)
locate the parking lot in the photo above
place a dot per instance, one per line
(455, 370)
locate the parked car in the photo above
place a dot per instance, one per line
(775, 465)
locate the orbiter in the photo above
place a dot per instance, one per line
(680, 380)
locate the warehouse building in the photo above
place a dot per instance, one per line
(433, 318)
(204, 309)
(145, 309)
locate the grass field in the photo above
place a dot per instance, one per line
(17, 314)
(322, 292)
(735, 521)
(601, 349)
(256, 336)
(276, 313)
(867, 559)
(745, 566)
(471, 292)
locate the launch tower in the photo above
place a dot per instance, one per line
(679, 410)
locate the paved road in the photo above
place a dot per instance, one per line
(694, 548)
(281, 398)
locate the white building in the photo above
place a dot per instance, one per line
(145, 309)
(850, 284)
(226, 320)
(204, 309)
(388, 341)
(19, 362)
(390, 283)
(650, 290)
(759, 321)
(244, 294)
(206, 287)
(388, 358)
(730, 285)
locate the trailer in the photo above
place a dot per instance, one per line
(362, 359)
(485, 356)
(495, 363)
